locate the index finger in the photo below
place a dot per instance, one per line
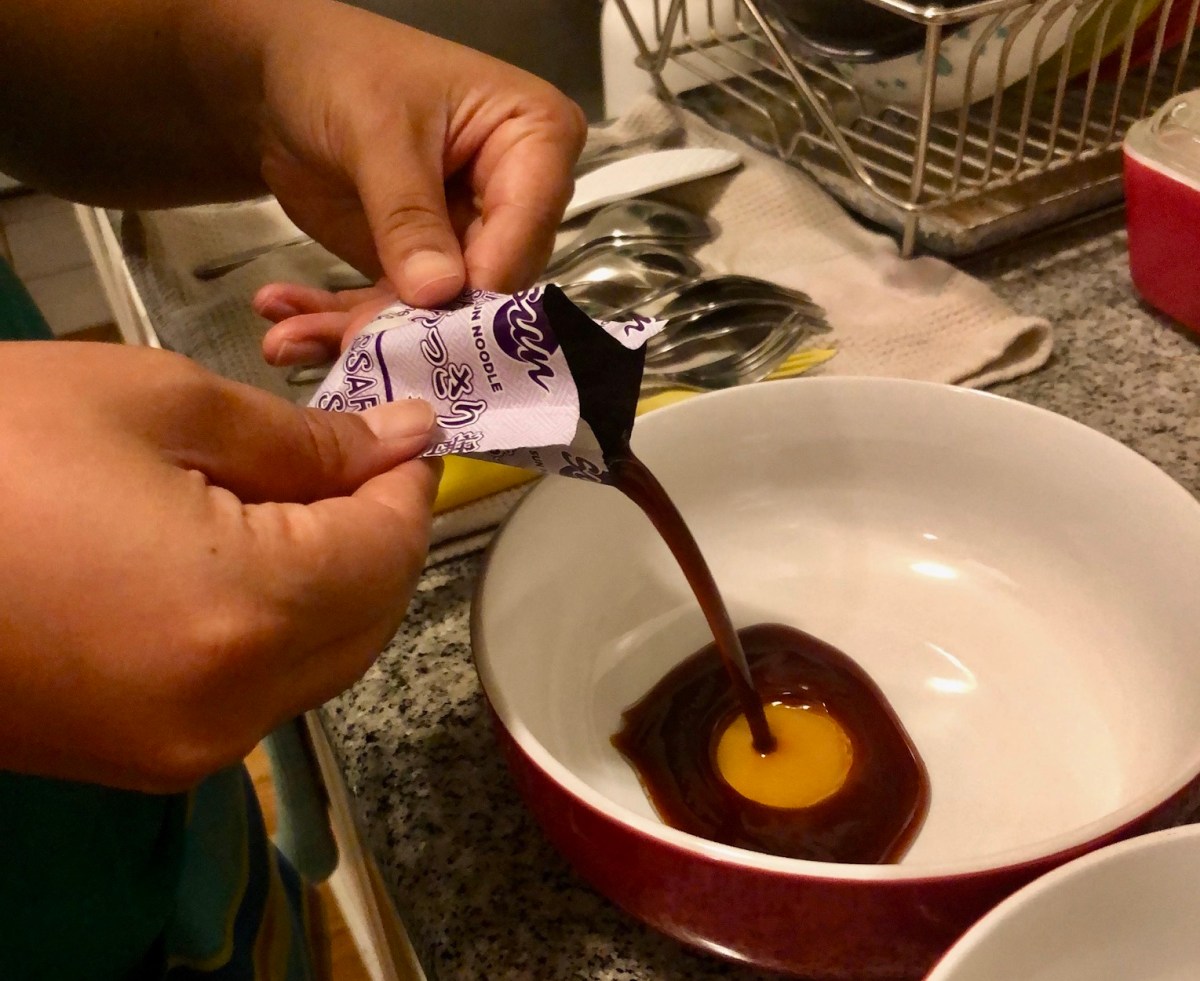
(523, 193)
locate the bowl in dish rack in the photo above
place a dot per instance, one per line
(978, 58)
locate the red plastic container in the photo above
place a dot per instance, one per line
(1162, 201)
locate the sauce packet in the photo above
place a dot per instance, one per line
(526, 379)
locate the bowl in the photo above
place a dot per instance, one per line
(1101, 38)
(1021, 588)
(845, 30)
(1174, 25)
(975, 60)
(1161, 164)
(1125, 911)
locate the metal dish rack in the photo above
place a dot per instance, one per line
(947, 178)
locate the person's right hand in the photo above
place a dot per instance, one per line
(189, 562)
(406, 155)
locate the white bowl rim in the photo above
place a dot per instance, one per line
(967, 944)
(1108, 826)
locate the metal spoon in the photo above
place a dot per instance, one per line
(714, 332)
(726, 287)
(637, 220)
(623, 276)
(706, 292)
(724, 329)
(752, 363)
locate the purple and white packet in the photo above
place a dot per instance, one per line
(527, 380)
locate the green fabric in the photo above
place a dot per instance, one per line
(88, 877)
(240, 912)
(20, 319)
(107, 885)
(214, 872)
(303, 833)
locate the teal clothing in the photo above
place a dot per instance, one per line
(87, 878)
(98, 884)
(20, 319)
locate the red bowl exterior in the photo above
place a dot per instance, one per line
(822, 929)
(1145, 40)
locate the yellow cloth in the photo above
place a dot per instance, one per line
(465, 479)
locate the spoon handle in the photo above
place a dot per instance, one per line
(652, 384)
(216, 268)
(644, 173)
(601, 152)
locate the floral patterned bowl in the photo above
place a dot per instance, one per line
(976, 59)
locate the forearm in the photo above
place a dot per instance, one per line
(138, 103)
(383, 143)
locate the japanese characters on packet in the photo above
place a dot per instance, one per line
(504, 374)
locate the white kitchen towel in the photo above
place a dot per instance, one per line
(907, 318)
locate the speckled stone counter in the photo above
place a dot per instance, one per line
(484, 896)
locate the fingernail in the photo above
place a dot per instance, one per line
(303, 353)
(431, 277)
(400, 420)
(277, 310)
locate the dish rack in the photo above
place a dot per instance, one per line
(1008, 119)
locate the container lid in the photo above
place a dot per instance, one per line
(1170, 139)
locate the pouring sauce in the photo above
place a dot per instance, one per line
(768, 739)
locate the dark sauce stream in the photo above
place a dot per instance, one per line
(636, 482)
(670, 735)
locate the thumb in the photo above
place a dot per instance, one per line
(264, 448)
(404, 196)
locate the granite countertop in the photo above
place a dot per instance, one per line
(482, 892)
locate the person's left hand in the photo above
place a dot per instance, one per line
(404, 154)
(312, 326)
(189, 561)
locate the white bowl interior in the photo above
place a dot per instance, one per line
(1022, 588)
(1126, 911)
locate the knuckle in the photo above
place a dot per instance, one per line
(187, 389)
(574, 124)
(326, 443)
(409, 210)
(409, 219)
(564, 118)
(227, 639)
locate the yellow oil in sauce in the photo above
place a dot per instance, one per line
(810, 763)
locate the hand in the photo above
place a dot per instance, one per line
(189, 562)
(402, 153)
(312, 326)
